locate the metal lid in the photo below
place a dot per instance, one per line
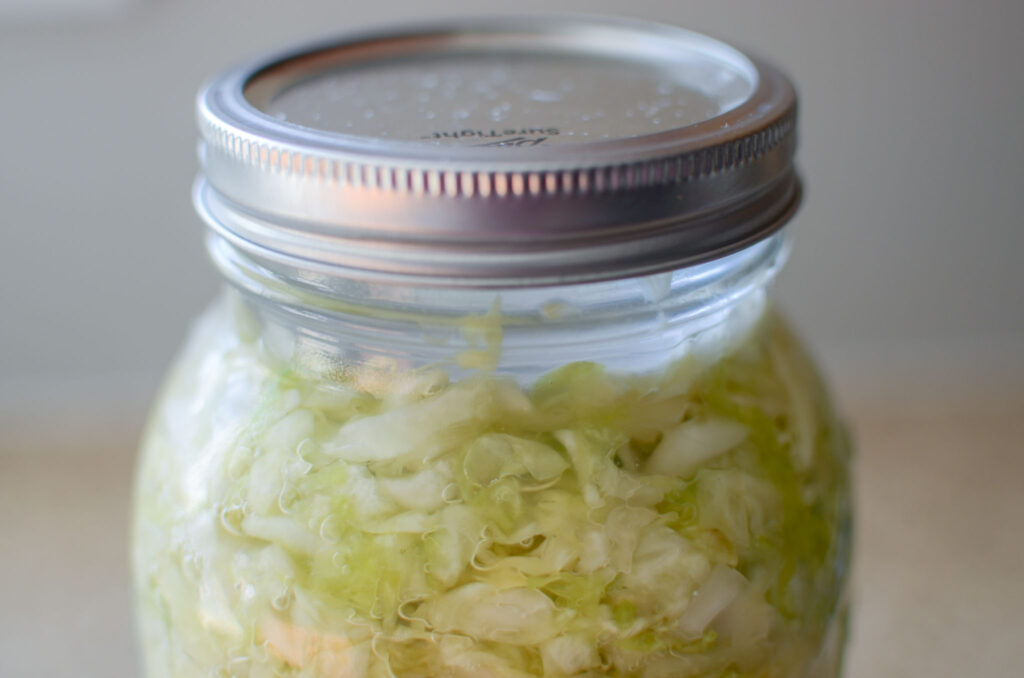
(503, 152)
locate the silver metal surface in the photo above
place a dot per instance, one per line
(506, 152)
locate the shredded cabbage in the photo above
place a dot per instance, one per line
(291, 524)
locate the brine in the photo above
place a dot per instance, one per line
(364, 521)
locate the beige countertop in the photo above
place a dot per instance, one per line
(939, 569)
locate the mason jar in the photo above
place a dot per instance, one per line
(496, 386)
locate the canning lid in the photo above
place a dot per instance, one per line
(501, 152)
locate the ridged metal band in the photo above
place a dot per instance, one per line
(470, 183)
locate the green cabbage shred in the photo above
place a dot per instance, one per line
(351, 524)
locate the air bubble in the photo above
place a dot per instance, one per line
(450, 494)
(282, 601)
(329, 530)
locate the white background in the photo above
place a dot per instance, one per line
(912, 140)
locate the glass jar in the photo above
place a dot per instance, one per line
(512, 409)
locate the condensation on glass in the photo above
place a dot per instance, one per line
(496, 386)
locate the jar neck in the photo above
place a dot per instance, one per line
(323, 322)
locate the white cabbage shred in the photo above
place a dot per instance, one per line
(591, 525)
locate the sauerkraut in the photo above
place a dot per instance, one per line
(387, 523)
